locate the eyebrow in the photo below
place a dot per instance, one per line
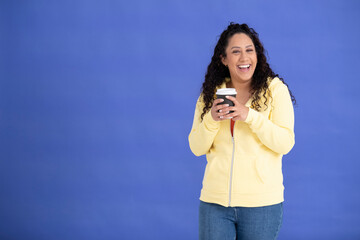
(240, 47)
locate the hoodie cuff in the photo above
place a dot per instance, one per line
(251, 115)
(210, 123)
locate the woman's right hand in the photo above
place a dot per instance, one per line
(216, 110)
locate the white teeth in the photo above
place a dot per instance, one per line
(244, 66)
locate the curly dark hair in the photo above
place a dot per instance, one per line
(217, 72)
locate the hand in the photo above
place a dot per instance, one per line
(217, 111)
(240, 110)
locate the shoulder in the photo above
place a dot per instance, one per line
(200, 104)
(276, 85)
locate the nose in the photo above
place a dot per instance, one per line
(243, 56)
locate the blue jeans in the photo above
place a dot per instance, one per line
(241, 223)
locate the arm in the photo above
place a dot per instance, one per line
(202, 132)
(276, 133)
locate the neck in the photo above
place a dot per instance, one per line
(241, 87)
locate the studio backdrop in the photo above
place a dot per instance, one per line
(97, 100)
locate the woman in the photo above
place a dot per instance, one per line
(243, 188)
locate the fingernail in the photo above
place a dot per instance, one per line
(221, 116)
(220, 110)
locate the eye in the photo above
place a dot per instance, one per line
(249, 50)
(236, 51)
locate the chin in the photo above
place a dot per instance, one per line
(248, 79)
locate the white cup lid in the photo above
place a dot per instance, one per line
(226, 91)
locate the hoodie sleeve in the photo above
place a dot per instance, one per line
(202, 132)
(277, 132)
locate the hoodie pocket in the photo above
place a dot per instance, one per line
(261, 169)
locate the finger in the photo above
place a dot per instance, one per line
(220, 107)
(228, 109)
(223, 113)
(231, 115)
(218, 117)
(232, 99)
(217, 101)
(223, 116)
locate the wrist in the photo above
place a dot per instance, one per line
(245, 114)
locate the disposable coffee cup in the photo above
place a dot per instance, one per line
(223, 92)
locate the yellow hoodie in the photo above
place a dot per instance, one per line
(245, 170)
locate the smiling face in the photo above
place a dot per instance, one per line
(240, 58)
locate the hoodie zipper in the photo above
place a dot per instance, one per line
(232, 162)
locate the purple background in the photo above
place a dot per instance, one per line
(97, 101)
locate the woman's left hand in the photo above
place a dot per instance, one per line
(240, 110)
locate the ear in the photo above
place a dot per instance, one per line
(223, 60)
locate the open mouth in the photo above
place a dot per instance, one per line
(244, 68)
